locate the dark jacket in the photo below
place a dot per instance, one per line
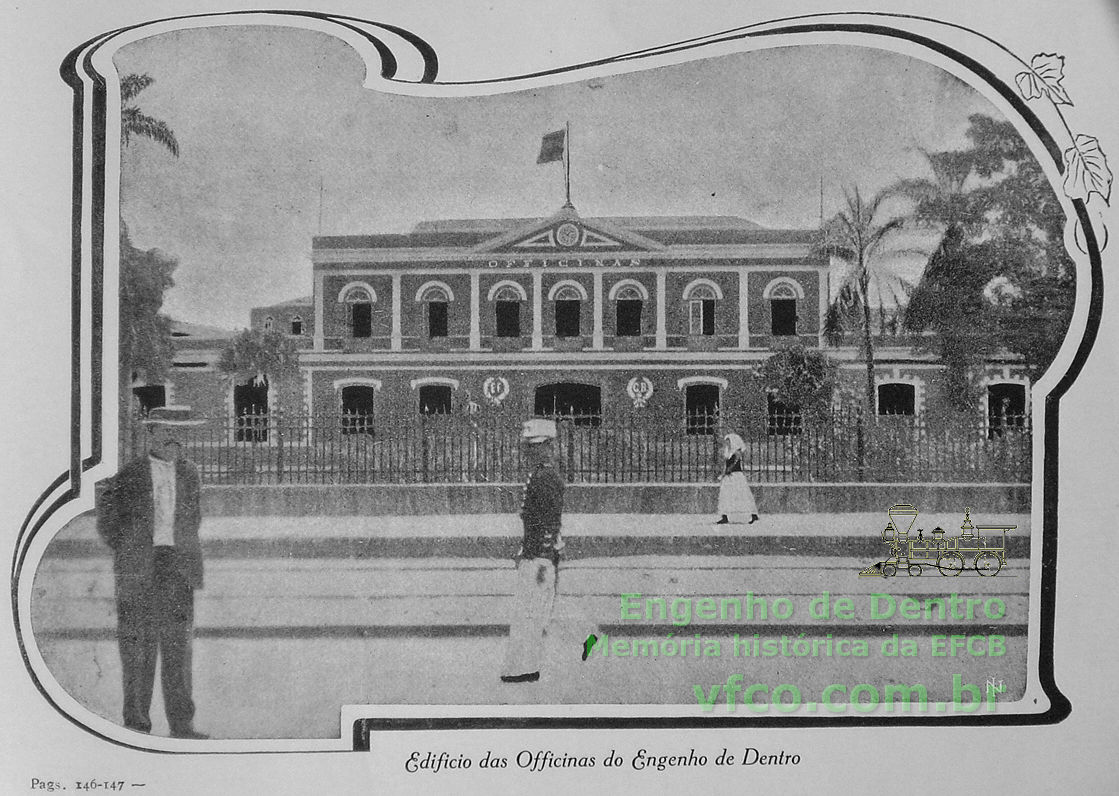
(126, 521)
(541, 512)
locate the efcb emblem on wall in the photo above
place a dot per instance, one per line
(640, 389)
(496, 389)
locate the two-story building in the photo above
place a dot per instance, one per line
(590, 316)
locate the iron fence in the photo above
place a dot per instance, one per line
(636, 447)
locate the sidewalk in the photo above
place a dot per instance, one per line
(860, 527)
(455, 571)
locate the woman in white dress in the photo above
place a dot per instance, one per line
(735, 498)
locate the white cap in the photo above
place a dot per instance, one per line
(536, 431)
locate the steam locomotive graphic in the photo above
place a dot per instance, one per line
(982, 547)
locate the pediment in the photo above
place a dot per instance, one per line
(566, 232)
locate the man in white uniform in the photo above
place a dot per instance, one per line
(538, 558)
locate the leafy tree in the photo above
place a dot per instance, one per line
(800, 377)
(134, 122)
(856, 235)
(1001, 277)
(145, 332)
(268, 357)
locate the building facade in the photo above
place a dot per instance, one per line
(570, 315)
(594, 317)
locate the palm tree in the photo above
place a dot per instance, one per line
(855, 235)
(144, 276)
(134, 122)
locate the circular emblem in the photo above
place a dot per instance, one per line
(567, 234)
(496, 389)
(640, 389)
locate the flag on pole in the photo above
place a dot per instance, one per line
(551, 147)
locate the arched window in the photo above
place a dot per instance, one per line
(296, 324)
(897, 398)
(436, 297)
(268, 324)
(507, 298)
(629, 298)
(701, 296)
(783, 294)
(568, 297)
(359, 298)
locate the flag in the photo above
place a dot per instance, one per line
(551, 148)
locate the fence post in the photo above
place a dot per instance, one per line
(860, 446)
(425, 450)
(569, 432)
(279, 442)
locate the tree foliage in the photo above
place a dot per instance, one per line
(264, 356)
(1002, 227)
(797, 376)
(856, 236)
(134, 122)
(145, 332)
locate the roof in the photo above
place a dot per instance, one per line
(302, 301)
(663, 230)
(182, 329)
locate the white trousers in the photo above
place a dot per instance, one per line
(533, 598)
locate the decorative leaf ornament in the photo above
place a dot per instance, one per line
(1043, 79)
(1086, 170)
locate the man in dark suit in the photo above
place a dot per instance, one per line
(539, 555)
(149, 514)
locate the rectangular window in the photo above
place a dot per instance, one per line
(782, 418)
(783, 316)
(437, 319)
(1006, 408)
(508, 319)
(701, 317)
(361, 319)
(567, 318)
(628, 318)
(357, 410)
(435, 399)
(250, 405)
(150, 397)
(701, 403)
(897, 399)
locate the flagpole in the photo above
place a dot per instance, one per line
(821, 201)
(567, 164)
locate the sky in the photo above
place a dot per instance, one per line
(263, 116)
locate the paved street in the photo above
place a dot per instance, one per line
(293, 623)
